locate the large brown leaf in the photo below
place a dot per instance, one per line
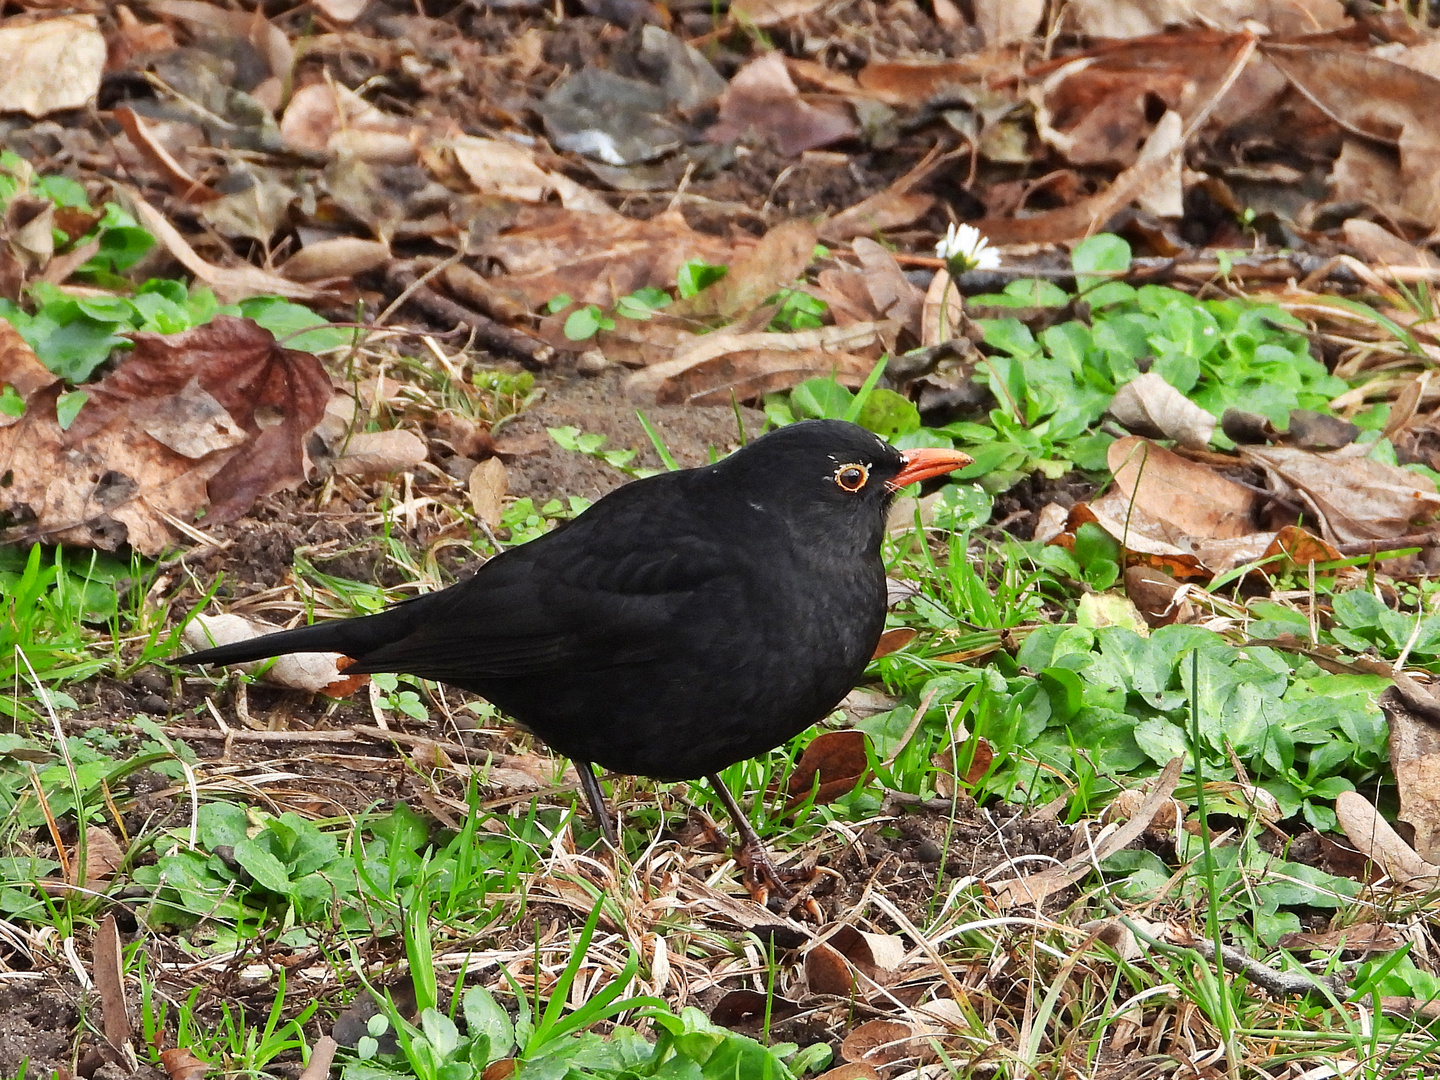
(275, 395)
(221, 405)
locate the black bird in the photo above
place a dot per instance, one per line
(683, 623)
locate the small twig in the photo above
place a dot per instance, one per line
(531, 352)
(1273, 982)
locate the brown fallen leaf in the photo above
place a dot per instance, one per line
(103, 856)
(504, 169)
(771, 12)
(315, 673)
(376, 453)
(1005, 22)
(876, 956)
(942, 296)
(1194, 500)
(108, 973)
(746, 366)
(1357, 937)
(890, 291)
(487, 486)
(1352, 497)
(339, 257)
(1382, 101)
(596, 258)
(116, 486)
(851, 1070)
(239, 364)
(1148, 405)
(1414, 745)
(838, 759)
(882, 1042)
(211, 22)
(739, 1006)
(51, 65)
(343, 12)
(893, 640)
(773, 264)
(763, 100)
(179, 179)
(1107, 19)
(1376, 838)
(181, 1064)
(231, 283)
(826, 972)
(1154, 165)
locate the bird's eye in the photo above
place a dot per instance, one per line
(852, 477)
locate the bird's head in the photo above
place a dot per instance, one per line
(831, 470)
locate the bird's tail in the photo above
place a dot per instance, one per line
(353, 637)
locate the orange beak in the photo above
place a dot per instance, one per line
(923, 464)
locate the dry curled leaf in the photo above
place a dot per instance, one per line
(487, 490)
(51, 65)
(376, 453)
(1376, 838)
(879, 1042)
(1148, 405)
(181, 1064)
(837, 759)
(745, 366)
(316, 673)
(274, 395)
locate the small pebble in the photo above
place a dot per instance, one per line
(591, 362)
(151, 680)
(154, 704)
(928, 851)
(459, 467)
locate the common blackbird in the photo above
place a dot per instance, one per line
(683, 623)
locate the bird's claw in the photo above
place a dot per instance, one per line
(763, 879)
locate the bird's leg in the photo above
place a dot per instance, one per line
(760, 873)
(596, 798)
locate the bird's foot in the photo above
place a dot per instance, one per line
(766, 882)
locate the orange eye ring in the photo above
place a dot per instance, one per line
(852, 477)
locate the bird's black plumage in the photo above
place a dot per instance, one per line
(683, 623)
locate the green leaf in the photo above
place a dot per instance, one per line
(68, 406)
(584, 323)
(820, 399)
(268, 871)
(558, 303)
(889, 414)
(11, 403)
(441, 1032)
(484, 1016)
(62, 191)
(403, 829)
(1098, 254)
(75, 348)
(221, 824)
(308, 849)
(696, 275)
(1092, 543)
(285, 320)
(1010, 336)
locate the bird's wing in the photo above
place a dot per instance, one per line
(605, 590)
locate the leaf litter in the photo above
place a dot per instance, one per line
(1115, 120)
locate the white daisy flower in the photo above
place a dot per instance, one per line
(964, 248)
